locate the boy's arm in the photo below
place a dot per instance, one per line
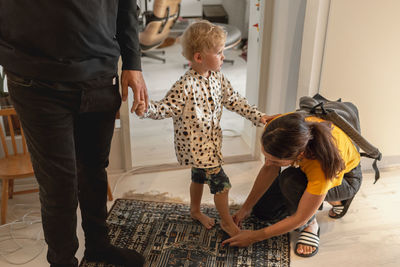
(233, 101)
(171, 105)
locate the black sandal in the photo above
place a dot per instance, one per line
(340, 210)
(308, 239)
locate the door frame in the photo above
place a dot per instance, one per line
(258, 89)
(313, 47)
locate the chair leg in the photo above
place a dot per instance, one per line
(4, 200)
(109, 193)
(10, 189)
(157, 52)
(231, 61)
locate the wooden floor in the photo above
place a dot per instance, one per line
(368, 236)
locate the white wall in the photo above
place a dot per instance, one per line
(121, 146)
(361, 64)
(257, 55)
(238, 14)
(10, 148)
(273, 57)
(286, 39)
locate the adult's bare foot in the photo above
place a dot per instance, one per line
(203, 219)
(303, 249)
(334, 203)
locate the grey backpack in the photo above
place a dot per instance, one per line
(345, 116)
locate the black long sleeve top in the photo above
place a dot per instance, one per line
(68, 40)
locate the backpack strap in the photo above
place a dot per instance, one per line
(370, 151)
(316, 106)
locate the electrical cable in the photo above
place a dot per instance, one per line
(131, 171)
(232, 133)
(27, 220)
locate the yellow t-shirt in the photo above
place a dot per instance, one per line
(317, 183)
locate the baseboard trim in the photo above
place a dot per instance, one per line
(388, 162)
(176, 166)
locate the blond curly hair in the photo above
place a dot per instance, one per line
(201, 36)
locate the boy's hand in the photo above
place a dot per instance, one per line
(140, 108)
(264, 119)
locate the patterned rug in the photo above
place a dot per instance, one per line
(167, 236)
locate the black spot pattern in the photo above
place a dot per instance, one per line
(195, 103)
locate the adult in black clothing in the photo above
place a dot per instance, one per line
(61, 63)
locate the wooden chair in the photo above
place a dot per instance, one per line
(14, 164)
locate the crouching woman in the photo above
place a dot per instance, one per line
(323, 165)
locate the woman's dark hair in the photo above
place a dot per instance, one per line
(287, 136)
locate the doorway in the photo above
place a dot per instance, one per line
(147, 145)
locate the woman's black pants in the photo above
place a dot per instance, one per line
(283, 196)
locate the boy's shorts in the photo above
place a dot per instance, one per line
(214, 177)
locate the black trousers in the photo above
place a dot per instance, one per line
(68, 128)
(283, 196)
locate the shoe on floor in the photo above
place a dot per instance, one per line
(340, 210)
(308, 239)
(114, 255)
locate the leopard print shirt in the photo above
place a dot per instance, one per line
(195, 104)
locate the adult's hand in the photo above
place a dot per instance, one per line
(243, 239)
(140, 109)
(240, 215)
(134, 79)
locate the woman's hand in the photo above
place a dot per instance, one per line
(243, 239)
(240, 215)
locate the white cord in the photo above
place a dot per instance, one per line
(122, 176)
(27, 220)
(230, 133)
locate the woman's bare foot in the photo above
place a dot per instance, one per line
(304, 249)
(230, 228)
(333, 203)
(203, 219)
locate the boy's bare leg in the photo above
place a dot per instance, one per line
(222, 205)
(196, 192)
